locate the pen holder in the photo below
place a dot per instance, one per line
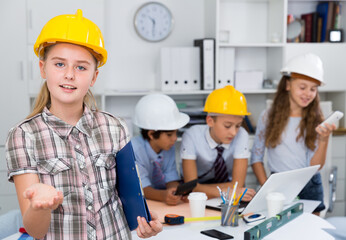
(229, 215)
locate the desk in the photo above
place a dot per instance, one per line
(182, 209)
(306, 226)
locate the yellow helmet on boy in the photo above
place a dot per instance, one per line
(226, 100)
(72, 28)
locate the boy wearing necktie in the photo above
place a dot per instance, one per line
(217, 153)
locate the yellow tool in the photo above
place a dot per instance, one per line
(174, 219)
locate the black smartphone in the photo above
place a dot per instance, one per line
(216, 234)
(186, 188)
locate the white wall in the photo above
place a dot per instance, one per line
(135, 59)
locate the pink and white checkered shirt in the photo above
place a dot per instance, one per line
(79, 161)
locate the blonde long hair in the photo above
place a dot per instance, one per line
(279, 114)
(43, 98)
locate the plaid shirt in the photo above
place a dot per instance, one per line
(79, 161)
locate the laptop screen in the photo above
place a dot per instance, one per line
(289, 183)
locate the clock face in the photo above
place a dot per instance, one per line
(153, 22)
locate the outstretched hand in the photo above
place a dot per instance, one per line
(145, 230)
(43, 196)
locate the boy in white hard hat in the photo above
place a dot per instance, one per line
(217, 153)
(158, 118)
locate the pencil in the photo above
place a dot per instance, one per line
(241, 197)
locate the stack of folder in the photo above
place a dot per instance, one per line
(179, 70)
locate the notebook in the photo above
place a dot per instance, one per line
(129, 187)
(289, 183)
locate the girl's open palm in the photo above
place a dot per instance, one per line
(43, 196)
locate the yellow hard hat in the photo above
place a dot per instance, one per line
(76, 29)
(226, 100)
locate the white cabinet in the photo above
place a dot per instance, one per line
(252, 22)
(14, 107)
(338, 160)
(8, 196)
(13, 93)
(257, 30)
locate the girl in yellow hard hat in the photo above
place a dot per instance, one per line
(217, 153)
(62, 156)
(290, 129)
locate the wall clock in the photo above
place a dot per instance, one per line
(153, 21)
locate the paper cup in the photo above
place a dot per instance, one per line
(275, 203)
(197, 202)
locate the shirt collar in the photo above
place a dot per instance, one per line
(63, 129)
(211, 142)
(153, 156)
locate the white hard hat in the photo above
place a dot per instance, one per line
(307, 64)
(159, 112)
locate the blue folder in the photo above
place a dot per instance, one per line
(129, 187)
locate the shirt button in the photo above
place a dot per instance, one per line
(81, 166)
(77, 146)
(90, 208)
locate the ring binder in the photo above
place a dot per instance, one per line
(207, 62)
(129, 187)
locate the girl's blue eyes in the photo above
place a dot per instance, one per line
(81, 68)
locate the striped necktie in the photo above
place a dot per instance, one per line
(158, 179)
(221, 173)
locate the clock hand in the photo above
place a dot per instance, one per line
(152, 20)
(154, 23)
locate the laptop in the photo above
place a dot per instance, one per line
(289, 183)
